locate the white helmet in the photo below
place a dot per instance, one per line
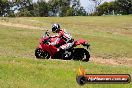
(55, 28)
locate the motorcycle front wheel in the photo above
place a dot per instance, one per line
(41, 55)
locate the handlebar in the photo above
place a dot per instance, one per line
(46, 34)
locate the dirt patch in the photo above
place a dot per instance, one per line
(19, 25)
(119, 61)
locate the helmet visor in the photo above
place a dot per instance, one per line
(53, 29)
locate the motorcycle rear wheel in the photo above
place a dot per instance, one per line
(81, 54)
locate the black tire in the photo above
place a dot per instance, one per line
(81, 54)
(38, 53)
(81, 80)
(41, 55)
(87, 56)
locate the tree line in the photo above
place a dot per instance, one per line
(121, 7)
(42, 8)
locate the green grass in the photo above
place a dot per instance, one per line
(109, 36)
(32, 73)
(111, 32)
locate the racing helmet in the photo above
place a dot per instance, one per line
(55, 28)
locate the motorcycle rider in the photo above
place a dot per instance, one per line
(61, 33)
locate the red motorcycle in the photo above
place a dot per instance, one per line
(46, 51)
